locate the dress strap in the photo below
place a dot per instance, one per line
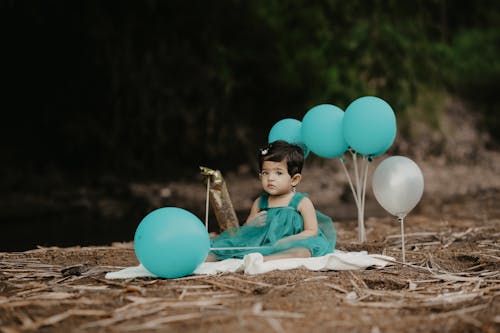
(294, 203)
(264, 201)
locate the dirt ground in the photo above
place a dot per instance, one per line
(450, 283)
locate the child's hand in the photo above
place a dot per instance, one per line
(259, 220)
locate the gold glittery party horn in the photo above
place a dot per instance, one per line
(220, 200)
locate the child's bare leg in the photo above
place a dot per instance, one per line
(210, 258)
(300, 252)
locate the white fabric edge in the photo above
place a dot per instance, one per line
(253, 264)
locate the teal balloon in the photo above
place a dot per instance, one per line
(289, 130)
(171, 242)
(369, 125)
(386, 147)
(322, 131)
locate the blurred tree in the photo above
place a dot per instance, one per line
(153, 88)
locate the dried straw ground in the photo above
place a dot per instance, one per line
(450, 283)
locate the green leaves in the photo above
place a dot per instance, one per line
(143, 82)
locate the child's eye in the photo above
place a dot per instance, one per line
(279, 173)
(265, 173)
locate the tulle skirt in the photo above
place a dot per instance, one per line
(265, 234)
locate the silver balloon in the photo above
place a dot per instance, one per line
(398, 185)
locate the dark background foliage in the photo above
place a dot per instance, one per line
(149, 89)
(105, 102)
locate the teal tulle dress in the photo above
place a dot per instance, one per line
(267, 229)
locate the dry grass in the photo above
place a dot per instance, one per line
(450, 282)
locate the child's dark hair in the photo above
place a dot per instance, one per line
(278, 151)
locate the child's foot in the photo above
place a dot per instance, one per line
(210, 258)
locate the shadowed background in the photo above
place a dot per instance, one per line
(101, 97)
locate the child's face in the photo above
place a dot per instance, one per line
(275, 178)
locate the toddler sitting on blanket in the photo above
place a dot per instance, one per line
(282, 223)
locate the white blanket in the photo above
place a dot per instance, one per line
(253, 263)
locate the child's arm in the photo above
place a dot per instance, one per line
(254, 211)
(308, 212)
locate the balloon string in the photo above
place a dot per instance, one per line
(238, 248)
(207, 203)
(366, 164)
(361, 225)
(356, 175)
(401, 220)
(350, 182)
(365, 176)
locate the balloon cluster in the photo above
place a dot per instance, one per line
(368, 126)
